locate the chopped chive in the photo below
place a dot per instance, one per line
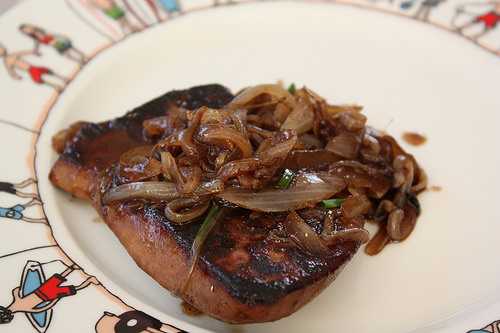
(292, 89)
(332, 203)
(207, 226)
(286, 179)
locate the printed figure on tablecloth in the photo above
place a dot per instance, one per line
(17, 212)
(36, 296)
(15, 62)
(483, 16)
(17, 189)
(113, 11)
(62, 44)
(167, 7)
(494, 327)
(132, 321)
(425, 7)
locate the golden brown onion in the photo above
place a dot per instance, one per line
(307, 192)
(229, 138)
(234, 168)
(155, 126)
(303, 235)
(300, 119)
(422, 181)
(356, 205)
(137, 164)
(279, 147)
(181, 211)
(249, 94)
(353, 234)
(378, 242)
(401, 222)
(310, 159)
(345, 144)
(352, 121)
(144, 190)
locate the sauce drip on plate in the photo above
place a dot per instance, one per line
(414, 139)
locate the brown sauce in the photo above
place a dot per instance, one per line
(435, 188)
(413, 138)
(190, 310)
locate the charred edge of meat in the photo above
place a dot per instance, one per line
(214, 95)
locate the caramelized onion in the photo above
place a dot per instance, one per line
(214, 116)
(278, 150)
(144, 190)
(378, 242)
(228, 137)
(186, 142)
(310, 142)
(359, 175)
(281, 113)
(338, 183)
(353, 234)
(352, 121)
(183, 210)
(280, 200)
(137, 164)
(135, 156)
(187, 177)
(191, 177)
(401, 222)
(422, 181)
(249, 94)
(303, 235)
(403, 172)
(394, 223)
(345, 144)
(186, 136)
(356, 205)
(310, 159)
(232, 169)
(155, 126)
(170, 169)
(371, 148)
(384, 207)
(209, 188)
(239, 118)
(335, 111)
(236, 152)
(300, 119)
(259, 131)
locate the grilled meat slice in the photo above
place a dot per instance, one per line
(245, 274)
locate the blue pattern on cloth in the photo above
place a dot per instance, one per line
(170, 5)
(33, 282)
(12, 212)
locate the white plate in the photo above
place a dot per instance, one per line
(411, 75)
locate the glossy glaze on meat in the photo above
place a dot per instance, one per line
(246, 272)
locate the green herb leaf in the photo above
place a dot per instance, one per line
(292, 89)
(205, 229)
(286, 179)
(207, 226)
(332, 203)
